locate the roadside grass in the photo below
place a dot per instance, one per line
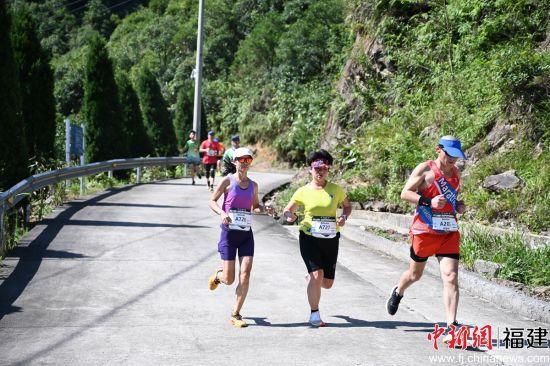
(529, 203)
(519, 263)
(365, 193)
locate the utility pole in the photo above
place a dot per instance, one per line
(198, 75)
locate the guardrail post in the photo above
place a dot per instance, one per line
(27, 214)
(110, 174)
(83, 161)
(81, 186)
(138, 174)
(2, 251)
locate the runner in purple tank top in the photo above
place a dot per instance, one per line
(240, 198)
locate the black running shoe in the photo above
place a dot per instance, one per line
(199, 175)
(393, 302)
(447, 337)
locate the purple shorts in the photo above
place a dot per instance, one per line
(231, 240)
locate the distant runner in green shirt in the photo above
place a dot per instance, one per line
(193, 158)
(227, 166)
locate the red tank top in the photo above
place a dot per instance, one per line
(419, 226)
(210, 157)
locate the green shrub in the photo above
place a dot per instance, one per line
(519, 263)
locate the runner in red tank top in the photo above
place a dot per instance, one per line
(209, 148)
(433, 186)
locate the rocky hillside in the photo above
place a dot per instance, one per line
(419, 70)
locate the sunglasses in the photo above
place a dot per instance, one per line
(245, 159)
(321, 168)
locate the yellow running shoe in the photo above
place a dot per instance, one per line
(238, 321)
(213, 281)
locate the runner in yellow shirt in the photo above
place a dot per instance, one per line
(319, 230)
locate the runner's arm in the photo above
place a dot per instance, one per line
(220, 189)
(410, 191)
(202, 149)
(346, 211)
(256, 206)
(288, 211)
(460, 205)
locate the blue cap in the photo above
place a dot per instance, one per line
(211, 132)
(452, 146)
(235, 138)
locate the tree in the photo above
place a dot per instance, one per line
(183, 120)
(138, 141)
(105, 137)
(36, 84)
(309, 44)
(256, 53)
(155, 114)
(13, 150)
(99, 18)
(57, 25)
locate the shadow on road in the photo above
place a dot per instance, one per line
(103, 318)
(174, 184)
(118, 223)
(25, 254)
(123, 204)
(350, 323)
(13, 286)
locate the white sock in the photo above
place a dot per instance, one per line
(315, 316)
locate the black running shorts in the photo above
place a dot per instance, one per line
(320, 253)
(210, 170)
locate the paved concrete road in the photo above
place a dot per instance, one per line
(121, 278)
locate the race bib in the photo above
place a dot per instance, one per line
(323, 227)
(212, 152)
(444, 222)
(241, 219)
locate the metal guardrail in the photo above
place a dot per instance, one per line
(15, 194)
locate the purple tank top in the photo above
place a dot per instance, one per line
(237, 197)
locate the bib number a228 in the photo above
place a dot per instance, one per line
(444, 222)
(241, 219)
(323, 227)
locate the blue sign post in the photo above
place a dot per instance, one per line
(74, 145)
(77, 140)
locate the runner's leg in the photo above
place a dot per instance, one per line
(227, 276)
(213, 173)
(207, 174)
(191, 170)
(244, 280)
(449, 275)
(410, 276)
(314, 288)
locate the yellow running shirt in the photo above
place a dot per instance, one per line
(318, 203)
